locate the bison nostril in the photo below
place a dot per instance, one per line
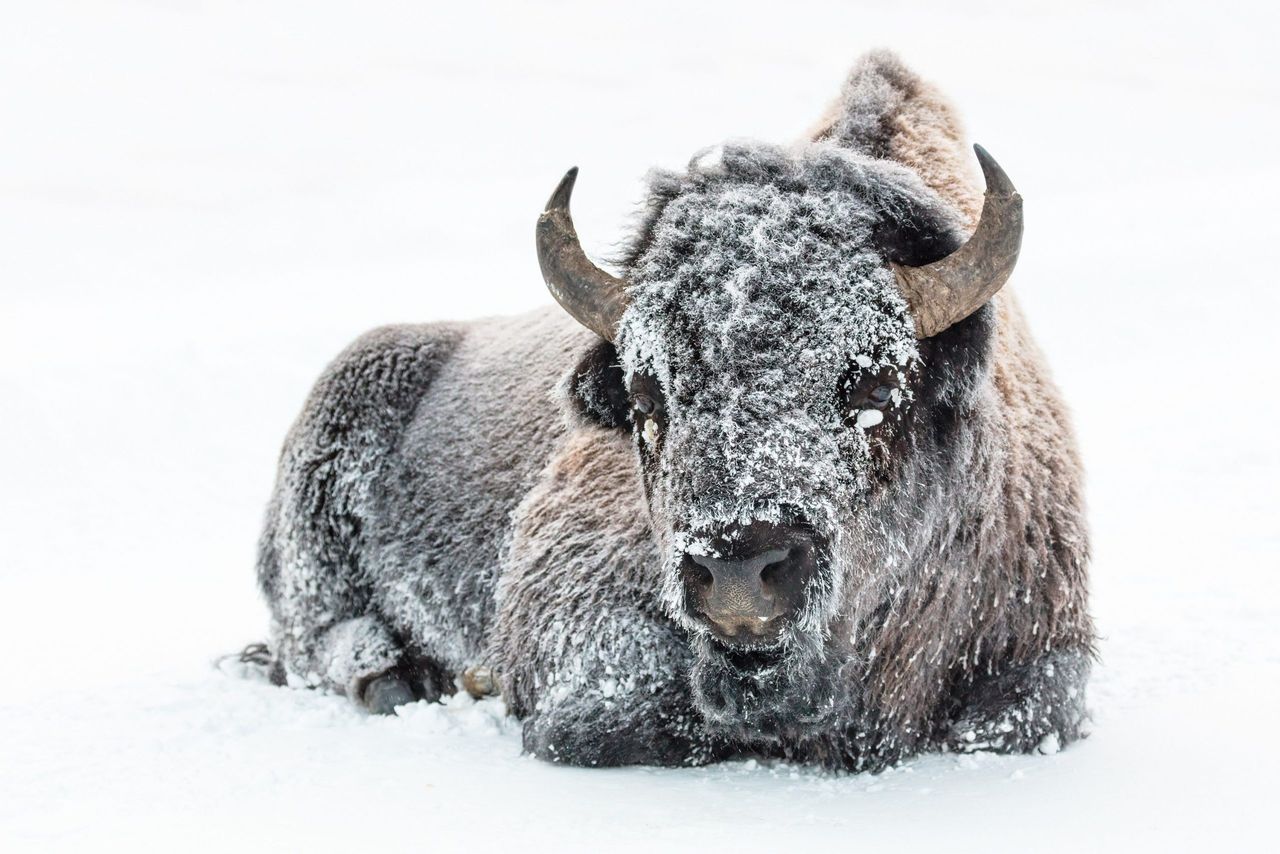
(749, 569)
(701, 575)
(777, 565)
(772, 572)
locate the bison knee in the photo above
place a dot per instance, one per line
(598, 738)
(1038, 706)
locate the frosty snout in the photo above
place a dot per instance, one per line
(751, 583)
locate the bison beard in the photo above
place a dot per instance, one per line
(520, 494)
(769, 695)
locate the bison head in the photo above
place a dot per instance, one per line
(792, 328)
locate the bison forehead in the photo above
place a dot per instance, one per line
(756, 287)
(757, 280)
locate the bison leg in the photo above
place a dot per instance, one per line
(385, 692)
(594, 735)
(597, 672)
(312, 561)
(610, 691)
(1038, 706)
(356, 657)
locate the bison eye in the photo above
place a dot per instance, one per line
(880, 396)
(644, 404)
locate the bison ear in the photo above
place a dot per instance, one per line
(916, 236)
(597, 388)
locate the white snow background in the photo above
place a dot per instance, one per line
(202, 202)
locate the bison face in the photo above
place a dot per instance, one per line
(778, 387)
(771, 363)
(762, 408)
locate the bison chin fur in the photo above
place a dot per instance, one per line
(768, 695)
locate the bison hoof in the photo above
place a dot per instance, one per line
(383, 694)
(480, 682)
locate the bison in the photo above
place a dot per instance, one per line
(796, 484)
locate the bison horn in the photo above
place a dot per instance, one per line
(949, 290)
(593, 297)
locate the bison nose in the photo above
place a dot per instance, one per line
(744, 598)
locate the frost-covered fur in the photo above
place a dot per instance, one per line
(482, 493)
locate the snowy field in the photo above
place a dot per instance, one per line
(202, 202)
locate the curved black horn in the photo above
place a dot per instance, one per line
(952, 288)
(593, 297)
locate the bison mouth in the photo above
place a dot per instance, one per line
(748, 660)
(763, 694)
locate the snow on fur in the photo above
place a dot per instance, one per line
(756, 291)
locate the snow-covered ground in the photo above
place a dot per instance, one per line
(202, 202)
